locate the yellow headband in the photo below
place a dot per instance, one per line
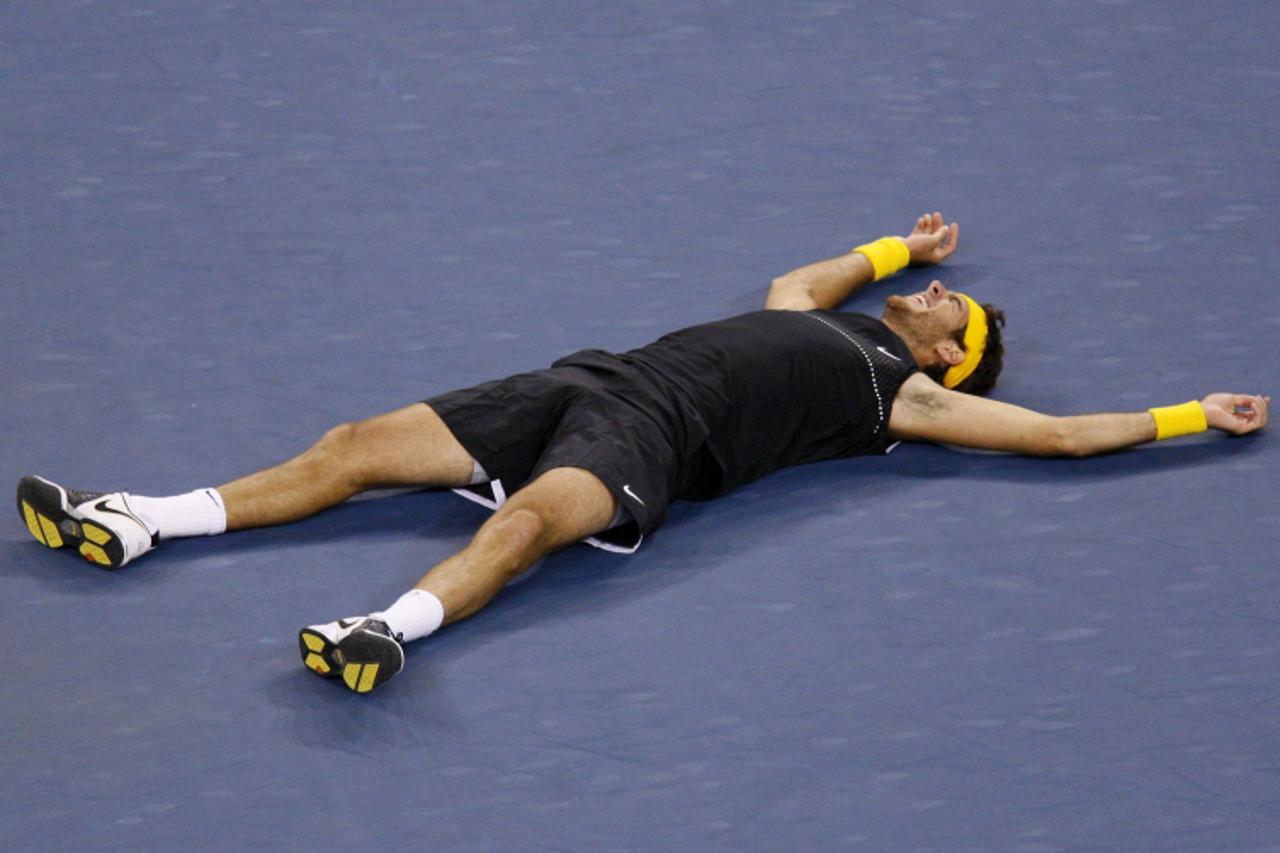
(975, 343)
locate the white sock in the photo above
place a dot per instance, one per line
(198, 513)
(415, 615)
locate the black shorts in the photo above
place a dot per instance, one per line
(570, 416)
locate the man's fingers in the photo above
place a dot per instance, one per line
(1251, 403)
(1249, 411)
(1238, 414)
(944, 235)
(952, 234)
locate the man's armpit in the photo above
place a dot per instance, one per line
(926, 402)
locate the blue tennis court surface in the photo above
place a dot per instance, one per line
(227, 226)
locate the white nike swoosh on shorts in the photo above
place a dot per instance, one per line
(627, 489)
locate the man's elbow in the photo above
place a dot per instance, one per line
(1066, 440)
(788, 294)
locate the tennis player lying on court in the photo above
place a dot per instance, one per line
(598, 445)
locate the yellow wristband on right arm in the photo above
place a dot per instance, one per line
(887, 255)
(1173, 421)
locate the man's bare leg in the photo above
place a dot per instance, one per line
(562, 506)
(407, 447)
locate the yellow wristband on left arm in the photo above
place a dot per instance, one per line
(887, 255)
(1173, 421)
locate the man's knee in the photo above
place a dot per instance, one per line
(520, 530)
(338, 437)
(342, 452)
(406, 446)
(339, 444)
(514, 540)
(563, 505)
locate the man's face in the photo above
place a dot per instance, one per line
(932, 315)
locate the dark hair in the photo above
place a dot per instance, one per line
(984, 376)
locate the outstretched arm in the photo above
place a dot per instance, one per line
(826, 284)
(925, 411)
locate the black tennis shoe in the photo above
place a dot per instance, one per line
(100, 526)
(360, 649)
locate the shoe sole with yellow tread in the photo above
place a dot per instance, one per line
(46, 509)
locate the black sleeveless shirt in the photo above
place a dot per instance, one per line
(751, 394)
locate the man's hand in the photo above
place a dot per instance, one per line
(826, 284)
(932, 240)
(1237, 414)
